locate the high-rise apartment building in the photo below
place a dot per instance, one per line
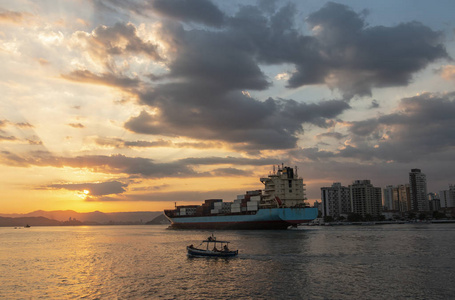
(387, 194)
(365, 198)
(418, 189)
(336, 200)
(397, 197)
(447, 197)
(404, 194)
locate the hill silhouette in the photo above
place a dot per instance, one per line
(71, 217)
(138, 217)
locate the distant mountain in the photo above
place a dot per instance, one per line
(32, 221)
(96, 217)
(160, 220)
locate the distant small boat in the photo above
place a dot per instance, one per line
(223, 250)
(27, 226)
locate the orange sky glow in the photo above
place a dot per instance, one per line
(133, 106)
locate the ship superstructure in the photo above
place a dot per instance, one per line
(279, 205)
(283, 188)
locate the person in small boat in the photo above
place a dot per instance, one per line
(191, 246)
(225, 248)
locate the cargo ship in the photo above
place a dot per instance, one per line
(281, 204)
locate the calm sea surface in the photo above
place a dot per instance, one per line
(150, 262)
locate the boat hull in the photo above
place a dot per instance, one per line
(265, 218)
(209, 253)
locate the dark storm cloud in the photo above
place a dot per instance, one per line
(420, 129)
(422, 126)
(355, 58)
(374, 104)
(335, 135)
(113, 39)
(204, 94)
(235, 118)
(213, 67)
(95, 189)
(199, 11)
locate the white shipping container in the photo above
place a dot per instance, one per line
(183, 213)
(250, 208)
(215, 211)
(240, 197)
(243, 208)
(255, 198)
(237, 201)
(252, 203)
(235, 210)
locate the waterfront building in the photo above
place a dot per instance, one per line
(404, 192)
(397, 198)
(447, 197)
(387, 195)
(365, 198)
(418, 189)
(336, 200)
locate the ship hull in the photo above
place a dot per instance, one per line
(265, 218)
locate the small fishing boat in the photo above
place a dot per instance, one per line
(213, 248)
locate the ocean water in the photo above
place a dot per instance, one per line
(149, 262)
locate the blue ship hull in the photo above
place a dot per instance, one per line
(265, 218)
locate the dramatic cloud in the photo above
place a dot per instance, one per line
(229, 160)
(120, 164)
(114, 164)
(120, 143)
(105, 43)
(211, 69)
(355, 58)
(199, 88)
(238, 119)
(102, 79)
(94, 189)
(199, 11)
(419, 129)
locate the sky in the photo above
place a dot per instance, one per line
(133, 105)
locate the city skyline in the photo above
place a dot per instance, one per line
(134, 105)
